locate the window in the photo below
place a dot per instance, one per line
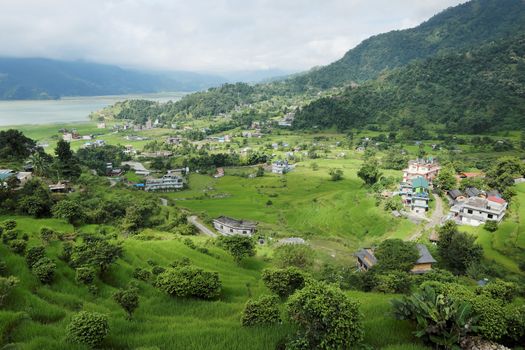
(231, 230)
(469, 211)
(244, 232)
(490, 216)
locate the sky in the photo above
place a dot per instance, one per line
(199, 35)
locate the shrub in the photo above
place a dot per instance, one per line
(439, 318)
(328, 318)
(18, 246)
(184, 261)
(491, 225)
(156, 270)
(501, 290)
(9, 236)
(89, 328)
(492, 317)
(44, 270)
(298, 255)
(516, 323)
(238, 246)
(34, 254)
(141, 274)
(85, 275)
(189, 242)
(67, 251)
(395, 254)
(46, 234)
(189, 281)
(261, 311)
(7, 284)
(392, 282)
(3, 268)
(128, 299)
(9, 225)
(283, 282)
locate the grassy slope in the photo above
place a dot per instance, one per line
(37, 315)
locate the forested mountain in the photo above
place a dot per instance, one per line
(461, 27)
(474, 91)
(37, 78)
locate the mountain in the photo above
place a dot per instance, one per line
(39, 78)
(458, 28)
(474, 91)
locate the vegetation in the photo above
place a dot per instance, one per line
(283, 282)
(262, 311)
(88, 328)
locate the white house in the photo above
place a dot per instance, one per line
(426, 168)
(228, 226)
(281, 167)
(476, 211)
(166, 183)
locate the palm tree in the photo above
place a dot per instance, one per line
(40, 164)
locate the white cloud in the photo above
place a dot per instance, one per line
(202, 35)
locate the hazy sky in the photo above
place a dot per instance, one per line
(199, 35)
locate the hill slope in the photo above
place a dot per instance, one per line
(475, 91)
(460, 27)
(38, 78)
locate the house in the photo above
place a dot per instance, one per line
(476, 211)
(172, 140)
(101, 125)
(281, 167)
(60, 187)
(366, 259)
(219, 173)
(23, 177)
(287, 120)
(67, 137)
(167, 183)
(414, 194)
(474, 192)
(456, 195)
(113, 172)
(426, 168)
(424, 262)
(228, 226)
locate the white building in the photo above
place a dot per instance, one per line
(426, 168)
(281, 167)
(476, 211)
(228, 226)
(166, 183)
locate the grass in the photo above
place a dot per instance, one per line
(36, 316)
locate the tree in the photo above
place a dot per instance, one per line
(502, 174)
(238, 246)
(85, 275)
(457, 249)
(14, 145)
(7, 284)
(298, 255)
(128, 299)
(34, 254)
(89, 328)
(283, 282)
(395, 254)
(369, 172)
(261, 312)
(67, 164)
(188, 281)
(439, 318)
(44, 270)
(335, 174)
(327, 317)
(96, 252)
(69, 210)
(446, 179)
(491, 225)
(41, 162)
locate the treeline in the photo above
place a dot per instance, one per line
(473, 92)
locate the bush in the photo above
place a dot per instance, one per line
(9, 236)
(9, 225)
(7, 284)
(44, 270)
(34, 254)
(491, 225)
(128, 298)
(3, 268)
(47, 234)
(439, 318)
(516, 323)
(283, 282)
(328, 318)
(89, 328)
(238, 246)
(501, 290)
(157, 270)
(261, 311)
(298, 255)
(392, 282)
(395, 254)
(492, 317)
(67, 251)
(18, 246)
(141, 274)
(85, 275)
(189, 281)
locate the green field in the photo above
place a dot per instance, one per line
(37, 315)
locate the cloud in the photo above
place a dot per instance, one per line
(202, 35)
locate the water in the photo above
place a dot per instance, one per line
(67, 109)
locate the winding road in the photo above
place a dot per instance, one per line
(435, 219)
(205, 230)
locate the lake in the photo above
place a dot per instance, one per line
(67, 109)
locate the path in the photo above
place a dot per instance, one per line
(435, 219)
(195, 221)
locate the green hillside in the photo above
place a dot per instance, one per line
(472, 92)
(459, 28)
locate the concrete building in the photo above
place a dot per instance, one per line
(281, 167)
(168, 182)
(228, 226)
(426, 168)
(476, 211)
(414, 194)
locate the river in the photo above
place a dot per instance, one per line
(67, 109)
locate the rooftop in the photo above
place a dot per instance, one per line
(236, 223)
(424, 255)
(419, 182)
